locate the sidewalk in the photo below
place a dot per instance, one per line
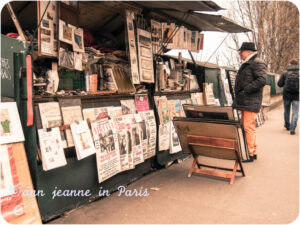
(268, 194)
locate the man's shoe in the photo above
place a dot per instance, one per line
(249, 160)
(287, 127)
(255, 157)
(292, 132)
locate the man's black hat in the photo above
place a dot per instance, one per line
(248, 46)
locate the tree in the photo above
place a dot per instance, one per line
(275, 26)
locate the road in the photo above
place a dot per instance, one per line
(268, 194)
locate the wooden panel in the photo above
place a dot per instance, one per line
(212, 142)
(32, 214)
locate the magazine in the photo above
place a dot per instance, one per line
(128, 121)
(93, 114)
(142, 102)
(50, 114)
(83, 141)
(51, 146)
(107, 149)
(128, 106)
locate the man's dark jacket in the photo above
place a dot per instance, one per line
(249, 83)
(281, 82)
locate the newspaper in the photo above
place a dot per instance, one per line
(70, 115)
(107, 149)
(164, 137)
(51, 146)
(149, 117)
(50, 114)
(128, 106)
(93, 114)
(83, 140)
(128, 121)
(120, 123)
(114, 111)
(174, 140)
(137, 149)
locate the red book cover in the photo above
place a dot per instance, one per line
(12, 205)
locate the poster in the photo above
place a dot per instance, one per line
(174, 140)
(70, 115)
(142, 102)
(48, 29)
(77, 40)
(151, 131)
(107, 149)
(146, 70)
(164, 137)
(12, 205)
(66, 32)
(11, 128)
(132, 47)
(51, 146)
(156, 37)
(83, 141)
(162, 109)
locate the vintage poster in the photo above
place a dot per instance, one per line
(50, 114)
(107, 149)
(142, 102)
(168, 35)
(93, 114)
(51, 146)
(174, 140)
(124, 144)
(83, 141)
(77, 40)
(130, 37)
(11, 128)
(146, 70)
(164, 137)
(47, 31)
(162, 109)
(151, 131)
(137, 148)
(128, 121)
(128, 106)
(66, 32)
(156, 37)
(70, 115)
(12, 205)
(144, 135)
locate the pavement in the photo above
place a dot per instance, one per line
(268, 194)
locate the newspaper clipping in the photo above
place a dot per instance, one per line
(174, 140)
(164, 137)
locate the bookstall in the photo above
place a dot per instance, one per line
(97, 95)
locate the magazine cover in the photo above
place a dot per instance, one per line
(142, 102)
(11, 128)
(50, 114)
(162, 108)
(120, 123)
(114, 111)
(12, 205)
(51, 146)
(151, 131)
(93, 114)
(83, 141)
(107, 149)
(174, 140)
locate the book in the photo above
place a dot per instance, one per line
(83, 141)
(141, 102)
(51, 148)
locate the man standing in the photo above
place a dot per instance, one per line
(289, 80)
(250, 80)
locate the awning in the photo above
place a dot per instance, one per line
(205, 22)
(182, 6)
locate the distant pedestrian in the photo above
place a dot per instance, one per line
(289, 80)
(250, 80)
